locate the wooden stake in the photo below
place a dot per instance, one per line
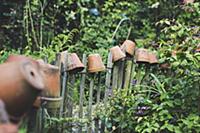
(127, 74)
(108, 76)
(115, 75)
(63, 66)
(90, 103)
(121, 74)
(82, 86)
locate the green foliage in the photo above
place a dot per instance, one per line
(170, 97)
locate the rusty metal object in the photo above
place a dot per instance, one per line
(117, 53)
(74, 64)
(142, 55)
(20, 83)
(129, 47)
(95, 63)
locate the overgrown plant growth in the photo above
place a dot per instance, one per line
(168, 97)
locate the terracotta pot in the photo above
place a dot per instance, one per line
(8, 128)
(129, 47)
(52, 105)
(22, 82)
(51, 76)
(142, 55)
(152, 58)
(49, 73)
(74, 64)
(95, 63)
(117, 53)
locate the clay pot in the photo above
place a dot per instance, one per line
(129, 47)
(142, 55)
(117, 53)
(8, 128)
(152, 58)
(51, 76)
(95, 63)
(52, 104)
(74, 64)
(49, 73)
(20, 83)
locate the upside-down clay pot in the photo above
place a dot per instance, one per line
(117, 53)
(153, 58)
(8, 128)
(20, 83)
(129, 47)
(95, 63)
(142, 55)
(74, 64)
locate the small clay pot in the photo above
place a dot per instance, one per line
(74, 64)
(95, 63)
(142, 55)
(153, 58)
(117, 53)
(129, 47)
(8, 128)
(20, 84)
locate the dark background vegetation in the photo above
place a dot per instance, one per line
(42, 28)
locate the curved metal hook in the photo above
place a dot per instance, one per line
(119, 24)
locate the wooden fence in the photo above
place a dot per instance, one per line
(81, 94)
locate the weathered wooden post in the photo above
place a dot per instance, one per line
(82, 86)
(108, 77)
(74, 65)
(129, 48)
(117, 56)
(95, 65)
(63, 72)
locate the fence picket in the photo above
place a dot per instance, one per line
(82, 85)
